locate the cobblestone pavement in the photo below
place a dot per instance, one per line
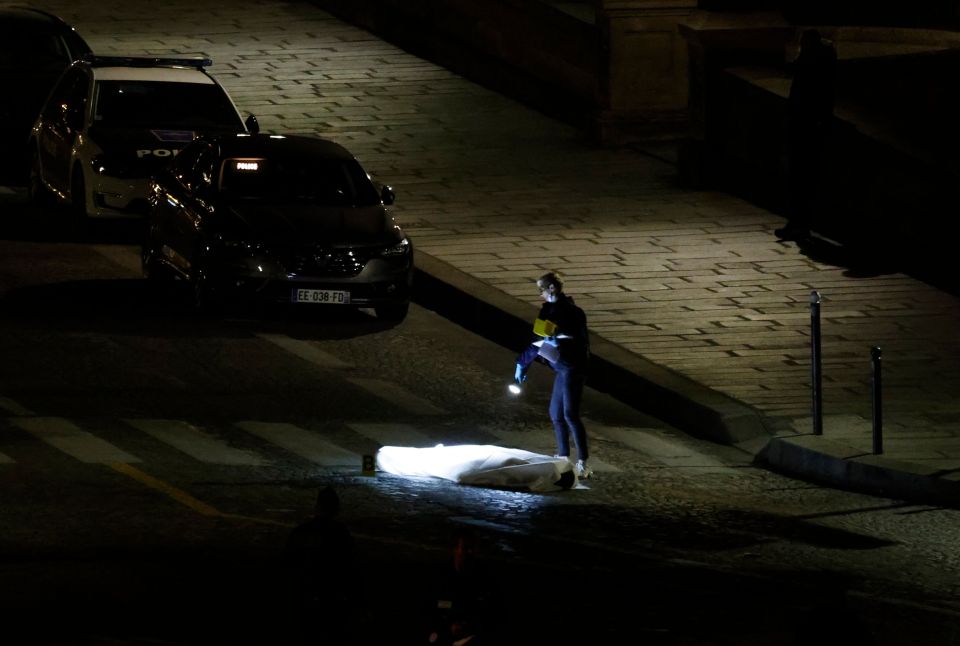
(692, 281)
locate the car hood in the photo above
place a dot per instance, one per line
(303, 224)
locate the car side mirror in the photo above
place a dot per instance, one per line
(253, 126)
(73, 117)
(387, 196)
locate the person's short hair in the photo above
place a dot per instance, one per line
(550, 278)
(810, 38)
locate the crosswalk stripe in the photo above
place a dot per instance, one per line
(544, 443)
(125, 256)
(307, 444)
(306, 351)
(529, 441)
(13, 407)
(66, 436)
(393, 434)
(650, 443)
(195, 442)
(396, 395)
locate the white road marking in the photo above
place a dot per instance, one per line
(528, 441)
(195, 442)
(126, 256)
(544, 443)
(669, 453)
(396, 395)
(306, 351)
(66, 436)
(394, 434)
(307, 444)
(14, 408)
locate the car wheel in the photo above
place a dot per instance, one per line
(37, 191)
(153, 270)
(392, 313)
(78, 196)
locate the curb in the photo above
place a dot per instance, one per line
(837, 465)
(505, 320)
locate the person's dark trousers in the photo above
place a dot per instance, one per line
(565, 410)
(805, 152)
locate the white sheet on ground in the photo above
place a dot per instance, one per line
(483, 465)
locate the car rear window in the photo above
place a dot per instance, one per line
(153, 104)
(326, 182)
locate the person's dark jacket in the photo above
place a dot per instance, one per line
(812, 91)
(571, 322)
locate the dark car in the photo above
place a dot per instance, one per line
(35, 48)
(111, 121)
(256, 218)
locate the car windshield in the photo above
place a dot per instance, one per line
(321, 182)
(156, 104)
(30, 49)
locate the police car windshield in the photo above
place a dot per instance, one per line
(323, 182)
(163, 105)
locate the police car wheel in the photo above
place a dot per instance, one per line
(36, 190)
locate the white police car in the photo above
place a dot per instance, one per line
(110, 122)
(35, 48)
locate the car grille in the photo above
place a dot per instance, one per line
(328, 261)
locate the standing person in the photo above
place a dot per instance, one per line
(319, 556)
(563, 343)
(809, 119)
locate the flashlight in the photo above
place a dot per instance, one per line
(514, 388)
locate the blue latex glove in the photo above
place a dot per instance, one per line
(520, 375)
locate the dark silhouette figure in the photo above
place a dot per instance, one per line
(809, 121)
(319, 555)
(459, 603)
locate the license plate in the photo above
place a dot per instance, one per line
(320, 296)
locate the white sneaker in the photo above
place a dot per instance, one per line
(583, 471)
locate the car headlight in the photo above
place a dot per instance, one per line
(402, 248)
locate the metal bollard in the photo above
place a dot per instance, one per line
(815, 368)
(877, 388)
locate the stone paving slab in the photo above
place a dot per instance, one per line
(691, 284)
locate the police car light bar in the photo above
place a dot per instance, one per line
(148, 61)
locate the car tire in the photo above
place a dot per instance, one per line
(392, 313)
(152, 270)
(37, 191)
(78, 196)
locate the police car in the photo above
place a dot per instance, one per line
(35, 48)
(111, 122)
